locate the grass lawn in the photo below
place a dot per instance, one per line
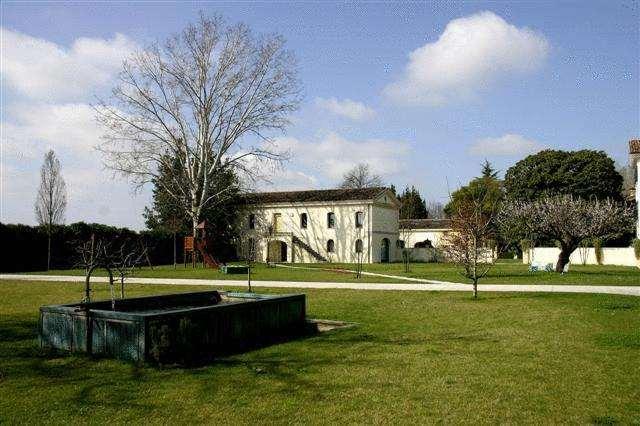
(504, 272)
(414, 358)
(512, 272)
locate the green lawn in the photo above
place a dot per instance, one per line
(513, 272)
(415, 357)
(504, 272)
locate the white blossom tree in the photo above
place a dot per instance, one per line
(51, 201)
(209, 98)
(567, 220)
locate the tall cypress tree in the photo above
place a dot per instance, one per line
(413, 205)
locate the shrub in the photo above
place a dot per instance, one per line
(636, 248)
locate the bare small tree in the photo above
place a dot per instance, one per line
(248, 251)
(361, 177)
(200, 98)
(568, 220)
(125, 260)
(93, 254)
(436, 210)
(51, 202)
(470, 244)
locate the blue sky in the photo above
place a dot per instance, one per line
(495, 80)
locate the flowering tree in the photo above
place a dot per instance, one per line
(471, 242)
(566, 219)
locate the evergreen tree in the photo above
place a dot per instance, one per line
(413, 205)
(167, 214)
(488, 171)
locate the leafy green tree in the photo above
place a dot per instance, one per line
(586, 174)
(485, 188)
(413, 205)
(167, 213)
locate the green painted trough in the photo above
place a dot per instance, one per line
(234, 269)
(176, 328)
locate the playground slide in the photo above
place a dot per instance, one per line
(206, 257)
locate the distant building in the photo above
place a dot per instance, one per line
(335, 225)
(634, 162)
(424, 232)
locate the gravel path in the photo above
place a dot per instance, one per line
(430, 286)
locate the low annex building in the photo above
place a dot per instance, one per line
(332, 225)
(424, 233)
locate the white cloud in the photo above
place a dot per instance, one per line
(346, 108)
(37, 127)
(333, 155)
(42, 70)
(506, 145)
(71, 131)
(471, 53)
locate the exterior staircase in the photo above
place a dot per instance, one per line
(317, 256)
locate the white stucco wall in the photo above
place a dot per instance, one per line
(622, 256)
(413, 236)
(380, 221)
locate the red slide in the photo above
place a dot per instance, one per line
(201, 246)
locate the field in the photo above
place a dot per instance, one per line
(415, 357)
(504, 272)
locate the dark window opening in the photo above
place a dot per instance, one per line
(359, 219)
(331, 220)
(303, 220)
(252, 221)
(330, 246)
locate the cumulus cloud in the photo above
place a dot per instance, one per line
(353, 110)
(469, 55)
(506, 145)
(42, 70)
(332, 155)
(34, 128)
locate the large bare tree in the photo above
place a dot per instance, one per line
(51, 201)
(566, 219)
(208, 97)
(361, 176)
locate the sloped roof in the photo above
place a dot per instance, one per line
(314, 195)
(425, 223)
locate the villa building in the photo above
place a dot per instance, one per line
(333, 225)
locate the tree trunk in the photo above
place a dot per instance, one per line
(563, 258)
(174, 250)
(475, 288)
(49, 249)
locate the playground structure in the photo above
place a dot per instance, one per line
(196, 249)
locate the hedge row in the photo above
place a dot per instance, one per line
(25, 247)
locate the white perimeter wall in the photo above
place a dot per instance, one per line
(623, 256)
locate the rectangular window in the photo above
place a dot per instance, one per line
(359, 219)
(252, 221)
(303, 221)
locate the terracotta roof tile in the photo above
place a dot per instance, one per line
(425, 223)
(314, 195)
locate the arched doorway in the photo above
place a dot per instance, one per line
(277, 251)
(384, 250)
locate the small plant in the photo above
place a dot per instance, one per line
(636, 248)
(597, 247)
